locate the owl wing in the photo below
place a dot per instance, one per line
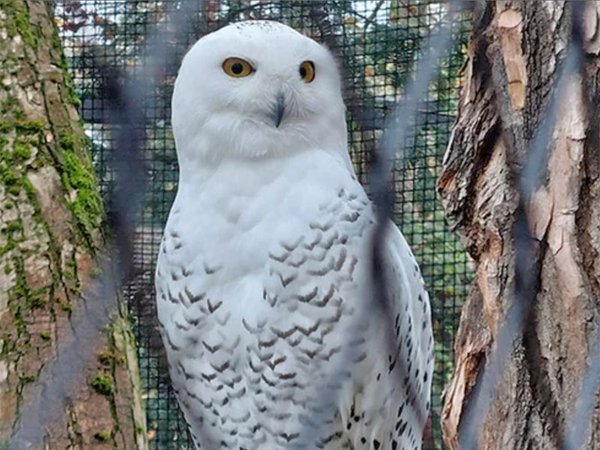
(391, 397)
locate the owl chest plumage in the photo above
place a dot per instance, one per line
(255, 285)
(264, 287)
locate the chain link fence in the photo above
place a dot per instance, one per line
(377, 43)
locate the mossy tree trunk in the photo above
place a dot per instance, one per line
(513, 55)
(50, 218)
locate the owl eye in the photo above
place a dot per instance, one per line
(237, 67)
(307, 71)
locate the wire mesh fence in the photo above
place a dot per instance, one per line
(378, 44)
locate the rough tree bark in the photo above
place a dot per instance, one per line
(511, 68)
(50, 217)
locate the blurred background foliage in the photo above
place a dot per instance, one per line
(377, 43)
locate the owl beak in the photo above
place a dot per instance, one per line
(278, 110)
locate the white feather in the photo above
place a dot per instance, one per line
(263, 281)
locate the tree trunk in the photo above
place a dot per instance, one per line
(512, 60)
(50, 218)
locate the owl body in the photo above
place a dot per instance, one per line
(264, 289)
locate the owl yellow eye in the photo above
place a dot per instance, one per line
(307, 71)
(237, 67)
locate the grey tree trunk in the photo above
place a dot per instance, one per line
(512, 61)
(50, 220)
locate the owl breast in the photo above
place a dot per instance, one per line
(257, 288)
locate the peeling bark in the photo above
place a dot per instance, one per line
(50, 220)
(512, 61)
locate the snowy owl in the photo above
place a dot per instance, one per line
(264, 290)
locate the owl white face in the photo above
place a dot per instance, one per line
(254, 89)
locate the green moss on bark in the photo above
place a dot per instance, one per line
(103, 435)
(78, 177)
(103, 383)
(19, 23)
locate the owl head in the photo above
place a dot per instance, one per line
(257, 89)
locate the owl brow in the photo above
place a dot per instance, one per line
(243, 58)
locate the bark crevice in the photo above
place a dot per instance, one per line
(514, 57)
